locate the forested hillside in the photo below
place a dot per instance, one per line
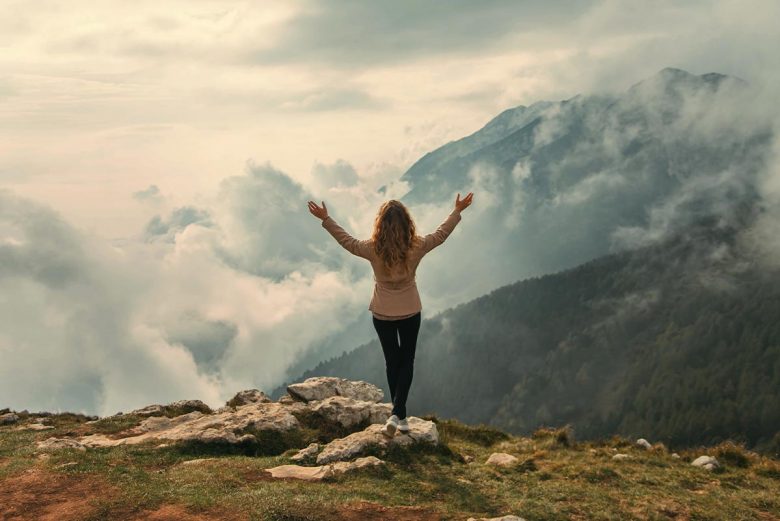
(678, 342)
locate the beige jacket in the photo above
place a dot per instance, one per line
(395, 292)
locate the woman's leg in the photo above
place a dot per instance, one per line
(388, 337)
(407, 329)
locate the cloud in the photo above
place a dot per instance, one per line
(179, 219)
(333, 99)
(67, 338)
(340, 173)
(326, 33)
(151, 193)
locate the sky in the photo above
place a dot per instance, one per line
(123, 124)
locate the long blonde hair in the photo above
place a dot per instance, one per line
(394, 234)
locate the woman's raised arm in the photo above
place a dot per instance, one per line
(349, 243)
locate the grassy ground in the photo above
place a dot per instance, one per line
(557, 478)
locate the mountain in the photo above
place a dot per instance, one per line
(678, 341)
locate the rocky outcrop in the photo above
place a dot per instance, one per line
(322, 387)
(318, 403)
(224, 427)
(420, 431)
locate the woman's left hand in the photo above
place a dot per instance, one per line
(316, 211)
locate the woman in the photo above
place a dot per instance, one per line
(394, 251)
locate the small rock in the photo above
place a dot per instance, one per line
(286, 399)
(621, 456)
(8, 418)
(60, 443)
(675, 455)
(467, 458)
(197, 461)
(346, 466)
(644, 444)
(309, 451)
(707, 462)
(300, 472)
(174, 408)
(35, 427)
(248, 396)
(501, 518)
(323, 471)
(501, 459)
(149, 410)
(65, 465)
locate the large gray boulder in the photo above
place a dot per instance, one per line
(341, 449)
(321, 387)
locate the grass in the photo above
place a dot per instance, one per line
(557, 477)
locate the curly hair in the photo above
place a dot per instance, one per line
(394, 234)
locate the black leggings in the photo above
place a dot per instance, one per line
(399, 357)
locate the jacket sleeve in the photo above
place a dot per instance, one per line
(434, 239)
(352, 245)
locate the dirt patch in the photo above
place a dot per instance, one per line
(362, 510)
(180, 513)
(36, 494)
(255, 475)
(46, 496)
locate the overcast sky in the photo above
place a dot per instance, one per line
(100, 100)
(122, 123)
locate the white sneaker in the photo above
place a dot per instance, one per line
(403, 426)
(390, 426)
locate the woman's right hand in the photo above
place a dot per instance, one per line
(320, 212)
(462, 204)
